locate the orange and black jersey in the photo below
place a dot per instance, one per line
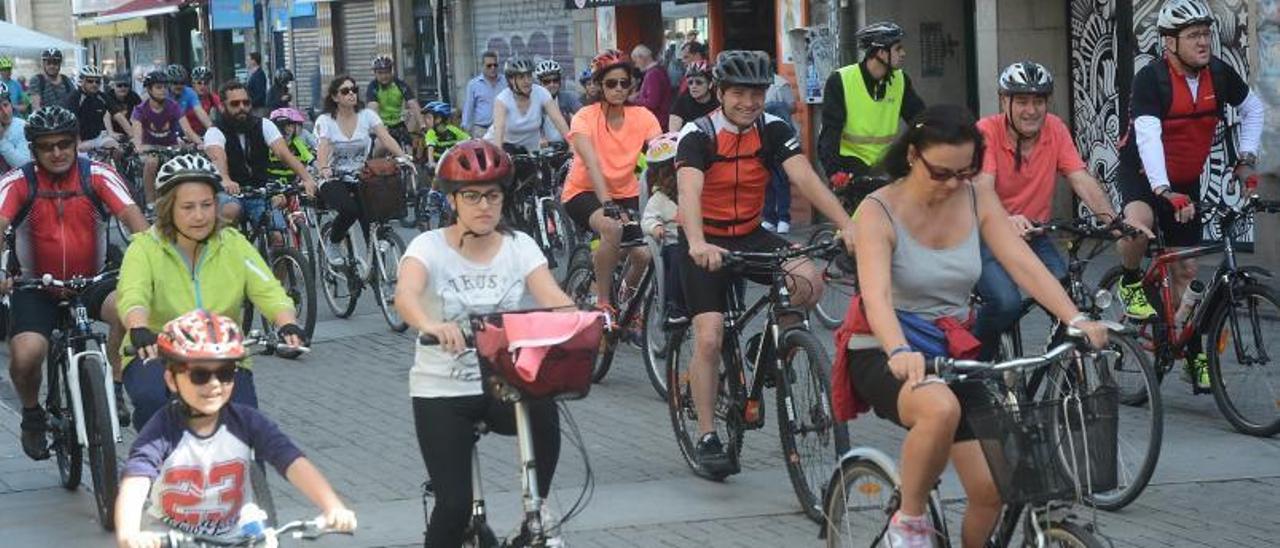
(737, 165)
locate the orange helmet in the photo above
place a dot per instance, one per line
(201, 335)
(610, 59)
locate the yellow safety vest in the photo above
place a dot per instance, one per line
(869, 125)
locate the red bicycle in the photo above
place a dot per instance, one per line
(1237, 312)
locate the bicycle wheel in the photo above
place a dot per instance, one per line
(303, 239)
(1150, 335)
(102, 444)
(341, 283)
(581, 255)
(560, 233)
(579, 278)
(1242, 369)
(62, 421)
(655, 339)
(387, 270)
(812, 439)
(684, 417)
(840, 286)
(291, 269)
(1070, 534)
(860, 500)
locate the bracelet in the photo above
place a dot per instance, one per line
(1081, 317)
(900, 349)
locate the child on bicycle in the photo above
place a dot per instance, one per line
(289, 120)
(441, 133)
(659, 219)
(193, 458)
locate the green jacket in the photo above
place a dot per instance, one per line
(156, 277)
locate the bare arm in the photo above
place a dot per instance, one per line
(187, 130)
(219, 157)
(499, 126)
(132, 218)
(812, 187)
(304, 475)
(1091, 193)
(875, 240)
(583, 146)
(203, 115)
(122, 121)
(324, 154)
(410, 284)
(137, 134)
(674, 123)
(1017, 258)
(542, 285)
(689, 189)
(129, 501)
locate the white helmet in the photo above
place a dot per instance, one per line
(90, 71)
(187, 168)
(545, 67)
(1026, 77)
(1176, 15)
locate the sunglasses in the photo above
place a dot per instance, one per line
(617, 83)
(92, 81)
(943, 175)
(473, 197)
(698, 82)
(346, 90)
(121, 85)
(490, 65)
(550, 81)
(65, 144)
(200, 376)
(240, 103)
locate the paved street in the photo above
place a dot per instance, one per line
(346, 405)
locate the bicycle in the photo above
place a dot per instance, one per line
(1142, 414)
(81, 407)
(841, 274)
(572, 380)
(375, 269)
(533, 205)
(1043, 451)
(1233, 290)
(287, 264)
(807, 425)
(268, 537)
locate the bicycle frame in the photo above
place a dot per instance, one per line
(777, 302)
(75, 333)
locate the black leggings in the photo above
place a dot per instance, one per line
(344, 201)
(446, 436)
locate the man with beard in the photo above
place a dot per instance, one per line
(240, 145)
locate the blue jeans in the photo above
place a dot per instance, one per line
(1001, 300)
(144, 381)
(252, 208)
(777, 198)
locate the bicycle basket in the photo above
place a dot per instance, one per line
(382, 191)
(543, 355)
(1037, 451)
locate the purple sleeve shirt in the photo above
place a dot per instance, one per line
(655, 94)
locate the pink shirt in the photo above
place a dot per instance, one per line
(1028, 191)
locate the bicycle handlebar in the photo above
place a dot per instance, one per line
(77, 283)
(953, 370)
(268, 189)
(305, 530)
(253, 339)
(782, 255)
(1085, 229)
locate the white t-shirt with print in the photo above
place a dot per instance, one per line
(349, 151)
(523, 128)
(457, 288)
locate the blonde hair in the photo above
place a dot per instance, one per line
(164, 212)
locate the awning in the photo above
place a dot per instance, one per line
(137, 25)
(138, 8)
(18, 40)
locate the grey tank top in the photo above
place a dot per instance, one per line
(933, 283)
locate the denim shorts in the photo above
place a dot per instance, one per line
(252, 208)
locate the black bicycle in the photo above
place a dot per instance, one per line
(286, 262)
(784, 355)
(533, 205)
(840, 276)
(376, 269)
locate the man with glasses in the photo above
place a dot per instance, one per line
(477, 106)
(50, 87)
(210, 103)
(393, 100)
(14, 151)
(691, 53)
(123, 101)
(92, 107)
(1178, 102)
(17, 96)
(58, 207)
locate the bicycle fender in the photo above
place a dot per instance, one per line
(876, 456)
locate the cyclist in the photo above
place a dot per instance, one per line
(392, 99)
(590, 89)
(519, 110)
(723, 164)
(1177, 103)
(549, 75)
(289, 121)
(862, 104)
(278, 95)
(190, 260)
(660, 223)
(158, 122)
(436, 290)
(698, 100)
(210, 102)
(241, 146)
(91, 107)
(188, 100)
(14, 150)
(17, 96)
(182, 461)
(1026, 148)
(346, 131)
(58, 229)
(441, 134)
(123, 101)
(601, 190)
(49, 88)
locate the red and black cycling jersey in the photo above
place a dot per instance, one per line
(738, 171)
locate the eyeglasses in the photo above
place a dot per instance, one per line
(473, 197)
(346, 90)
(93, 81)
(943, 175)
(45, 148)
(201, 376)
(239, 103)
(490, 65)
(616, 83)
(546, 81)
(1197, 36)
(121, 85)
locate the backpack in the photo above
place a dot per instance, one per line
(45, 83)
(765, 152)
(86, 189)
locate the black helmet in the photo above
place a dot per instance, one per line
(1026, 77)
(517, 65)
(155, 77)
(742, 68)
(383, 62)
(283, 75)
(177, 74)
(879, 35)
(53, 120)
(52, 54)
(201, 74)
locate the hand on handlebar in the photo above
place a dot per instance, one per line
(707, 256)
(292, 335)
(1184, 209)
(339, 519)
(143, 341)
(448, 334)
(231, 187)
(1097, 333)
(1130, 227)
(1023, 226)
(141, 539)
(908, 367)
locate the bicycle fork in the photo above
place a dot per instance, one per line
(72, 378)
(528, 472)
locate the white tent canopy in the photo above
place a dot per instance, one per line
(18, 40)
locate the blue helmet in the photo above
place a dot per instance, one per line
(438, 108)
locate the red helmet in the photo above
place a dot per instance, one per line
(607, 60)
(201, 335)
(473, 162)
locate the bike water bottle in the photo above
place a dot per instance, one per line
(1190, 299)
(252, 520)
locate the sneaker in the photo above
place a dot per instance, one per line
(1135, 301)
(711, 455)
(1196, 373)
(768, 226)
(907, 532)
(34, 426)
(676, 320)
(333, 254)
(784, 227)
(122, 409)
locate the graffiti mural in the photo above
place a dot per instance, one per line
(533, 29)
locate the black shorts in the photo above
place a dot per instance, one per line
(705, 291)
(581, 207)
(875, 384)
(37, 310)
(1175, 234)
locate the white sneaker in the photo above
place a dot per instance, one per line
(551, 524)
(784, 227)
(333, 253)
(768, 226)
(906, 532)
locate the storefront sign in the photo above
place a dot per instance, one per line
(231, 14)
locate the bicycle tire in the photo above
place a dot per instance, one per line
(580, 255)
(865, 525)
(1071, 534)
(62, 421)
(341, 284)
(656, 340)
(1224, 343)
(386, 268)
(295, 271)
(829, 312)
(562, 241)
(681, 410)
(102, 444)
(805, 414)
(304, 240)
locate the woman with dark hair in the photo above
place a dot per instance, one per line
(345, 131)
(932, 216)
